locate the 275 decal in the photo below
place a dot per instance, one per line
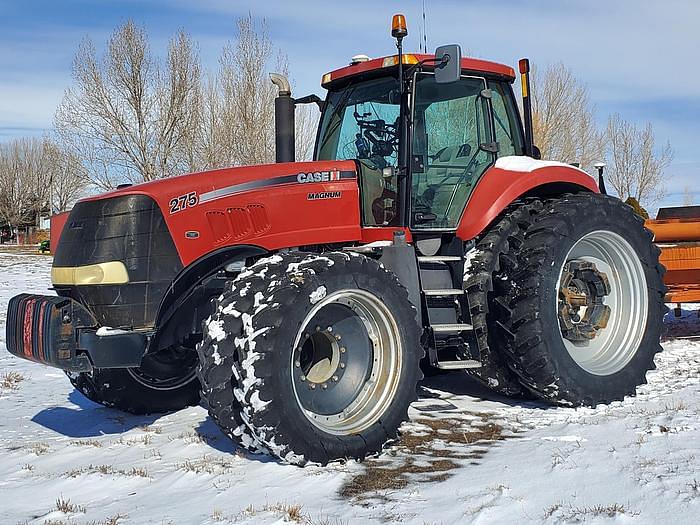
(182, 202)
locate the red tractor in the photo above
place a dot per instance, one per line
(303, 299)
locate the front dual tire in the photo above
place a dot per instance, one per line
(312, 357)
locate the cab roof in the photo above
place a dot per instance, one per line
(469, 65)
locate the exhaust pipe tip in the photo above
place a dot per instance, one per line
(282, 84)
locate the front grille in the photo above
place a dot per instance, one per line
(130, 229)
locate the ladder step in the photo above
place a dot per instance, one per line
(443, 292)
(458, 327)
(439, 258)
(458, 365)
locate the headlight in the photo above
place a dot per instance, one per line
(113, 272)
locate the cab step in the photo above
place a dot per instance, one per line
(443, 292)
(458, 365)
(452, 327)
(438, 258)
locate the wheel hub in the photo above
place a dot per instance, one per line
(332, 360)
(582, 311)
(346, 362)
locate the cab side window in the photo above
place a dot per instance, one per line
(505, 116)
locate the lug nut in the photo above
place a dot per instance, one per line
(318, 328)
(302, 378)
(324, 386)
(342, 349)
(330, 328)
(337, 337)
(312, 386)
(297, 364)
(342, 365)
(334, 378)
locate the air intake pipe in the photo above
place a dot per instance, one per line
(284, 120)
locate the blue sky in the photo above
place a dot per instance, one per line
(638, 58)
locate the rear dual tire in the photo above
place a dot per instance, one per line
(570, 248)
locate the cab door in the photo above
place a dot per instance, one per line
(452, 146)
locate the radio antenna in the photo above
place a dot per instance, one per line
(425, 32)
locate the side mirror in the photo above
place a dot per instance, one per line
(448, 66)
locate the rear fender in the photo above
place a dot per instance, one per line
(512, 178)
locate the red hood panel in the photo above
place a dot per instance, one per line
(272, 205)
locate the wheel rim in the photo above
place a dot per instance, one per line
(167, 370)
(346, 362)
(602, 288)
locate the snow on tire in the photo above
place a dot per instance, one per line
(324, 352)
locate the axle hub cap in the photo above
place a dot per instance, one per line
(602, 302)
(582, 311)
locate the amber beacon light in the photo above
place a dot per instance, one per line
(398, 26)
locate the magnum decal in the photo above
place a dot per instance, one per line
(324, 195)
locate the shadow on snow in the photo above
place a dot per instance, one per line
(89, 419)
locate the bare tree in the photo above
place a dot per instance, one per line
(306, 123)
(564, 118)
(37, 178)
(636, 168)
(128, 117)
(236, 125)
(67, 177)
(688, 197)
(17, 194)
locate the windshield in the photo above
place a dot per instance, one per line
(361, 122)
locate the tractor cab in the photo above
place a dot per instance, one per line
(422, 144)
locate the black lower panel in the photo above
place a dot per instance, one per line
(132, 305)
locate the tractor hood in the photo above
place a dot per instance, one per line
(212, 184)
(271, 206)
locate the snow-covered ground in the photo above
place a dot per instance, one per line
(467, 456)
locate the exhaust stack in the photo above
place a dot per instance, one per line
(524, 66)
(284, 120)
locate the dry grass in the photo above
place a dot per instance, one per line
(289, 513)
(112, 520)
(151, 428)
(86, 443)
(11, 380)
(194, 437)
(426, 455)
(571, 514)
(107, 470)
(191, 437)
(206, 465)
(145, 439)
(67, 507)
(38, 448)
